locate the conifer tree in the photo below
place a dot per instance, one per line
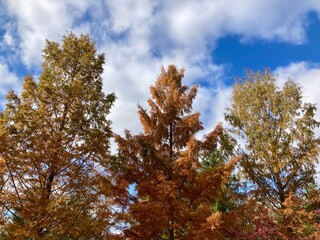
(171, 194)
(278, 132)
(54, 144)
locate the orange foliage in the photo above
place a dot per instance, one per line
(54, 142)
(173, 198)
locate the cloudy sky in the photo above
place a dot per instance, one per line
(214, 40)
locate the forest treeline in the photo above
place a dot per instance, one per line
(253, 178)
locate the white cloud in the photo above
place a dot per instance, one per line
(37, 21)
(8, 81)
(187, 26)
(8, 39)
(307, 75)
(140, 36)
(194, 22)
(7, 78)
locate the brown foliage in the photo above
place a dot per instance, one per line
(173, 196)
(58, 180)
(54, 143)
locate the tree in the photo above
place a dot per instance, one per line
(251, 220)
(54, 145)
(278, 133)
(300, 221)
(172, 193)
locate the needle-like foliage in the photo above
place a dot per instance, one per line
(277, 128)
(171, 194)
(54, 144)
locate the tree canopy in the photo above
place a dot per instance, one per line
(173, 196)
(54, 143)
(251, 179)
(280, 149)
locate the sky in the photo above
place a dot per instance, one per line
(214, 40)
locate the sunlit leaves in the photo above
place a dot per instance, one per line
(173, 195)
(279, 149)
(54, 144)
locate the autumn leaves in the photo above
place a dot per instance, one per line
(54, 143)
(174, 195)
(59, 180)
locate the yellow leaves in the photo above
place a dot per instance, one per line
(280, 152)
(55, 142)
(2, 165)
(215, 220)
(165, 167)
(297, 222)
(276, 169)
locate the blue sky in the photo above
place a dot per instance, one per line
(214, 40)
(258, 54)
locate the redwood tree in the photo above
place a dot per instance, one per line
(54, 145)
(166, 191)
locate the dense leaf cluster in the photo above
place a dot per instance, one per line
(254, 179)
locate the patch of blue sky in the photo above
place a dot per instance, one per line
(9, 47)
(260, 54)
(156, 52)
(90, 17)
(118, 36)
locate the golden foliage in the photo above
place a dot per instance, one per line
(173, 197)
(54, 145)
(59, 181)
(280, 149)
